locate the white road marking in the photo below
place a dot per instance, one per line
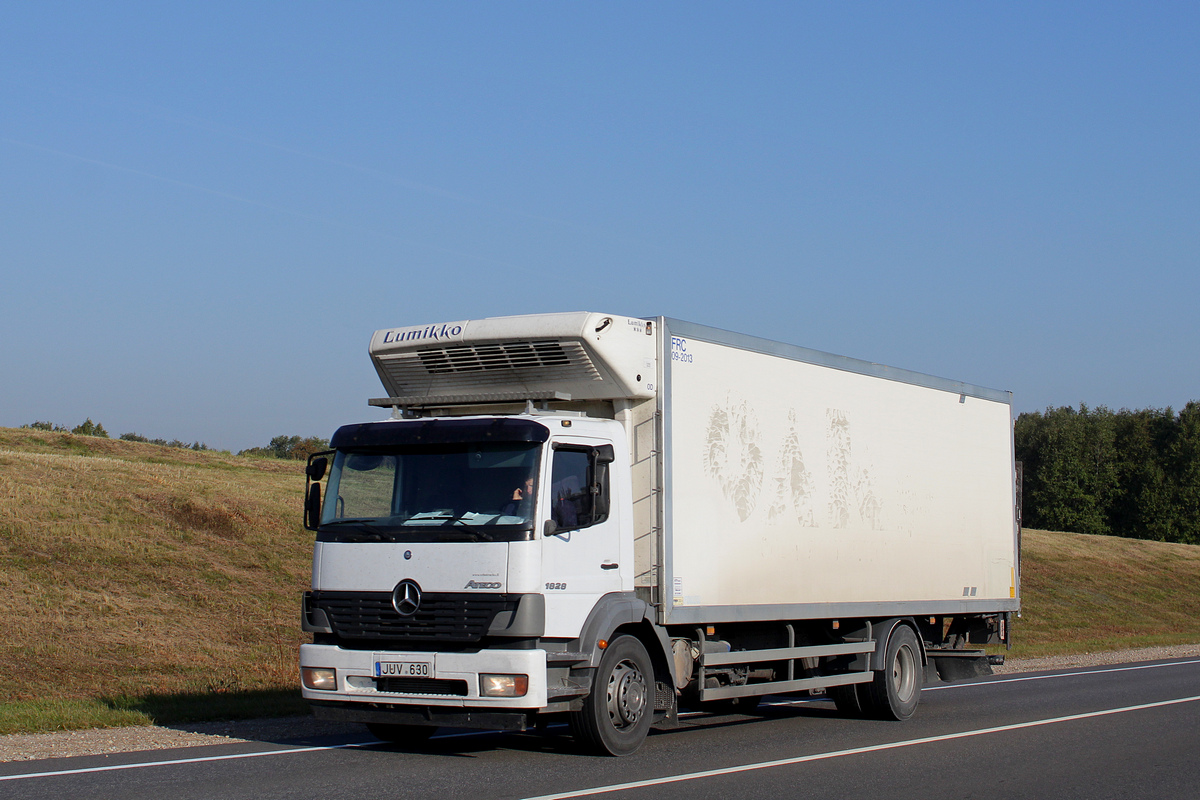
(691, 776)
(1020, 678)
(173, 762)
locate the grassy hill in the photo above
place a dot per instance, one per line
(1083, 593)
(145, 582)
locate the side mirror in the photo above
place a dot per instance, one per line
(550, 528)
(316, 468)
(312, 507)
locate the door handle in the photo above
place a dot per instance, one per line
(607, 565)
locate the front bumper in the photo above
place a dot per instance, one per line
(356, 681)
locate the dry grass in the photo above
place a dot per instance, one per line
(132, 570)
(1082, 593)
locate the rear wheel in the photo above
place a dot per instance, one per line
(411, 735)
(846, 699)
(896, 689)
(616, 715)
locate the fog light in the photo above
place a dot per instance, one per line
(503, 685)
(315, 678)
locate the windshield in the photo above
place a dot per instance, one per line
(432, 492)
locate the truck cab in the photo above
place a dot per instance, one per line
(465, 545)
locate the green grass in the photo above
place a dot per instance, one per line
(65, 714)
(72, 713)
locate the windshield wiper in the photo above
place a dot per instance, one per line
(458, 521)
(358, 523)
(464, 532)
(487, 537)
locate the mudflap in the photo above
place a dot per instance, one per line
(666, 707)
(959, 668)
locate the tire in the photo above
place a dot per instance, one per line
(410, 735)
(845, 698)
(896, 689)
(616, 716)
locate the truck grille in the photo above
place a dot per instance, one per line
(455, 688)
(369, 616)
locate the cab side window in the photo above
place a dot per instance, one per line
(579, 494)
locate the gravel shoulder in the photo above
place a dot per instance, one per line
(295, 730)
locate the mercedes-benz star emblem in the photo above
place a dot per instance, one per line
(406, 597)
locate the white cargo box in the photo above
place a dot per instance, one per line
(798, 484)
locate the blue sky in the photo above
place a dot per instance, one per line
(207, 209)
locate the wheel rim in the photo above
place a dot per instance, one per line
(904, 674)
(626, 695)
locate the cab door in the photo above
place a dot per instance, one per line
(581, 542)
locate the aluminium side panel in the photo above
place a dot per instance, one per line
(804, 485)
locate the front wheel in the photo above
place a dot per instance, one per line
(616, 715)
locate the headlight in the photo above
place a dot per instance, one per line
(503, 685)
(317, 678)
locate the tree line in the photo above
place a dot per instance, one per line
(289, 447)
(89, 428)
(294, 447)
(1123, 473)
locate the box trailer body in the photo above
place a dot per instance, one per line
(606, 517)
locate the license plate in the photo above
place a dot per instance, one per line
(404, 669)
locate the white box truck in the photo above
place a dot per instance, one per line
(606, 518)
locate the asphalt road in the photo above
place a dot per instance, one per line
(1129, 730)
